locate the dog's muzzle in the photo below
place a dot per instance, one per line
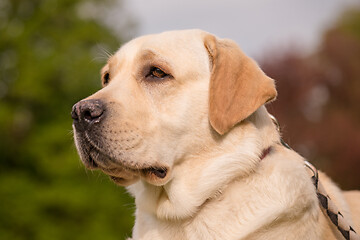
(88, 117)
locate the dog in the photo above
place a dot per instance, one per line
(181, 122)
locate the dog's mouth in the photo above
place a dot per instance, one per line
(155, 175)
(121, 172)
(158, 172)
(149, 173)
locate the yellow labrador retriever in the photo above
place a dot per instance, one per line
(181, 122)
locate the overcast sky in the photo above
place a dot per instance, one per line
(256, 25)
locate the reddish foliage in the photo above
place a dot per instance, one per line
(318, 104)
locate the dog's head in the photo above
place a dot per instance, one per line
(163, 97)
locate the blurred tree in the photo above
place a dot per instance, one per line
(47, 50)
(318, 100)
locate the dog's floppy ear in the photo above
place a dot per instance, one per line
(238, 87)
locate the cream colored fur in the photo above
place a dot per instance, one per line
(216, 187)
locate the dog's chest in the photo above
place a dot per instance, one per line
(262, 202)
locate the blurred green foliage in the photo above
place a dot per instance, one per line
(48, 61)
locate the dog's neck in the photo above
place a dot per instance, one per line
(209, 172)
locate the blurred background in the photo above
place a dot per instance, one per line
(51, 52)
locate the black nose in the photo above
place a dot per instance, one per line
(87, 112)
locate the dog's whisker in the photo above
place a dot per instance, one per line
(101, 58)
(70, 132)
(107, 53)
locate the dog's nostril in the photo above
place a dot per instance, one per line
(87, 115)
(92, 112)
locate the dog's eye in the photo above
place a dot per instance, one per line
(106, 78)
(157, 73)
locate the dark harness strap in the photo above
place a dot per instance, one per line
(327, 205)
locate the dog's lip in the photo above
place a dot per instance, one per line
(159, 172)
(156, 173)
(149, 172)
(153, 175)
